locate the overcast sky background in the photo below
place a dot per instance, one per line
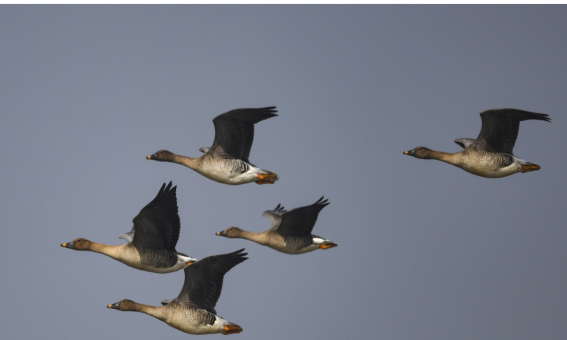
(426, 250)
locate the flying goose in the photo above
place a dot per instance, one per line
(290, 232)
(490, 154)
(151, 243)
(226, 161)
(193, 311)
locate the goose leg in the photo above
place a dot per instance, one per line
(530, 167)
(268, 176)
(265, 182)
(231, 329)
(327, 245)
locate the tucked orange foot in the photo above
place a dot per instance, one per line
(327, 246)
(262, 176)
(265, 182)
(530, 167)
(231, 329)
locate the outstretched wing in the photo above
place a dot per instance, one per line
(500, 129)
(203, 280)
(300, 221)
(157, 225)
(234, 132)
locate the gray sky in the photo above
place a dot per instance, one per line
(426, 250)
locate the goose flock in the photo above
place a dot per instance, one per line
(151, 243)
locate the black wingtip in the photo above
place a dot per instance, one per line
(166, 189)
(323, 202)
(545, 117)
(239, 252)
(518, 114)
(239, 255)
(249, 115)
(272, 110)
(537, 116)
(168, 186)
(161, 189)
(279, 208)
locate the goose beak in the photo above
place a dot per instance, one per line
(410, 152)
(221, 233)
(189, 263)
(149, 157)
(70, 245)
(114, 305)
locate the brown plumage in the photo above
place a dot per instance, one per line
(491, 153)
(226, 161)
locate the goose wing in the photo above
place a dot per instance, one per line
(500, 129)
(299, 222)
(464, 142)
(234, 132)
(275, 216)
(157, 225)
(203, 280)
(128, 237)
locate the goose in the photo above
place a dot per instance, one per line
(151, 243)
(226, 161)
(490, 154)
(193, 311)
(290, 232)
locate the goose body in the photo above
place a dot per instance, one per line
(490, 155)
(231, 171)
(193, 311)
(226, 161)
(290, 232)
(151, 243)
(492, 165)
(194, 321)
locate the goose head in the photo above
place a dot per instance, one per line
(78, 244)
(230, 232)
(124, 305)
(419, 152)
(162, 156)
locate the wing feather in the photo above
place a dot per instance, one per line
(203, 280)
(500, 129)
(234, 132)
(299, 222)
(157, 225)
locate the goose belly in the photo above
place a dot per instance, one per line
(493, 167)
(153, 269)
(294, 246)
(297, 251)
(131, 257)
(192, 322)
(228, 171)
